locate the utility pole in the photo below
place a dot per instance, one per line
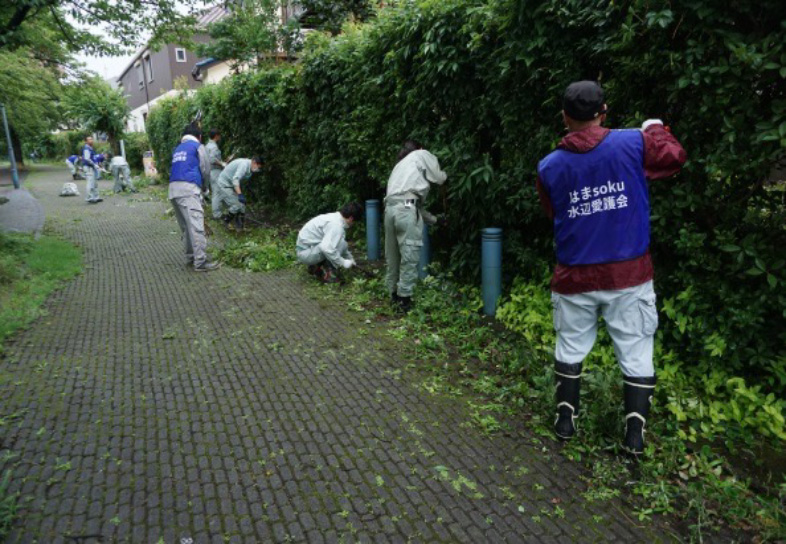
(14, 173)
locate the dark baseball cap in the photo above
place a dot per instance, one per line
(583, 100)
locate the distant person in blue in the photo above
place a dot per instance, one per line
(72, 162)
(89, 171)
(99, 159)
(187, 181)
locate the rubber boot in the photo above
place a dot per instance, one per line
(638, 398)
(404, 304)
(240, 221)
(568, 377)
(229, 221)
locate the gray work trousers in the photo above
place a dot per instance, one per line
(403, 241)
(125, 172)
(191, 218)
(215, 201)
(92, 185)
(314, 254)
(226, 197)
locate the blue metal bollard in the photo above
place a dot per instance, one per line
(491, 268)
(372, 230)
(425, 254)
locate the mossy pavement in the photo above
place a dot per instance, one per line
(155, 404)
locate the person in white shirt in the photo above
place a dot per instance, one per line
(322, 244)
(121, 172)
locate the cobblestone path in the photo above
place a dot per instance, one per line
(154, 404)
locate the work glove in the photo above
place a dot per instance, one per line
(442, 220)
(649, 122)
(347, 263)
(242, 198)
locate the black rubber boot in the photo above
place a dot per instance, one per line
(404, 304)
(229, 221)
(240, 221)
(638, 398)
(568, 378)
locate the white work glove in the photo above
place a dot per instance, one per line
(347, 263)
(649, 122)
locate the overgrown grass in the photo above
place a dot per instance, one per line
(259, 250)
(29, 271)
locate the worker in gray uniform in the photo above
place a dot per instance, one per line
(216, 166)
(322, 244)
(120, 170)
(407, 190)
(229, 194)
(189, 173)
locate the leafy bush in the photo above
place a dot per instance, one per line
(136, 144)
(479, 82)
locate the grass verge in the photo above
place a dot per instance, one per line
(29, 271)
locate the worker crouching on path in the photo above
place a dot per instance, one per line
(322, 244)
(216, 166)
(229, 194)
(72, 164)
(121, 172)
(190, 170)
(594, 188)
(407, 189)
(90, 171)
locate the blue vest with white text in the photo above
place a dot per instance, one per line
(90, 149)
(72, 159)
(185, 163)
(600, 200)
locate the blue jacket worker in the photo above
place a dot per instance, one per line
(89, 171)
(594, 188)
(322, 244)
(190, 172)
(71, 162)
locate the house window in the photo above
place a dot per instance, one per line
(180, 54)
(149, 67)
(139, 75)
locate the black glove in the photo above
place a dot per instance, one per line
(442, 220)
(241, 198)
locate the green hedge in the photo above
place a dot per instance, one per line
(480, 84)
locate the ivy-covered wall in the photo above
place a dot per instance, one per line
(480, 84)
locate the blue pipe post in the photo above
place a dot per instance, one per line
(425, 254)
(372, 230)
(491, 268)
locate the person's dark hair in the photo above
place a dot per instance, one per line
(88, 137)
(353, 210)
(257, 159)
(192, 129)
(408, 147)
(212, 133)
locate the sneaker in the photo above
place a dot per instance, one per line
(207, 267)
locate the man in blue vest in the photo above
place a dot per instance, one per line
(89, 167)
(190, 170)
(594, 188)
